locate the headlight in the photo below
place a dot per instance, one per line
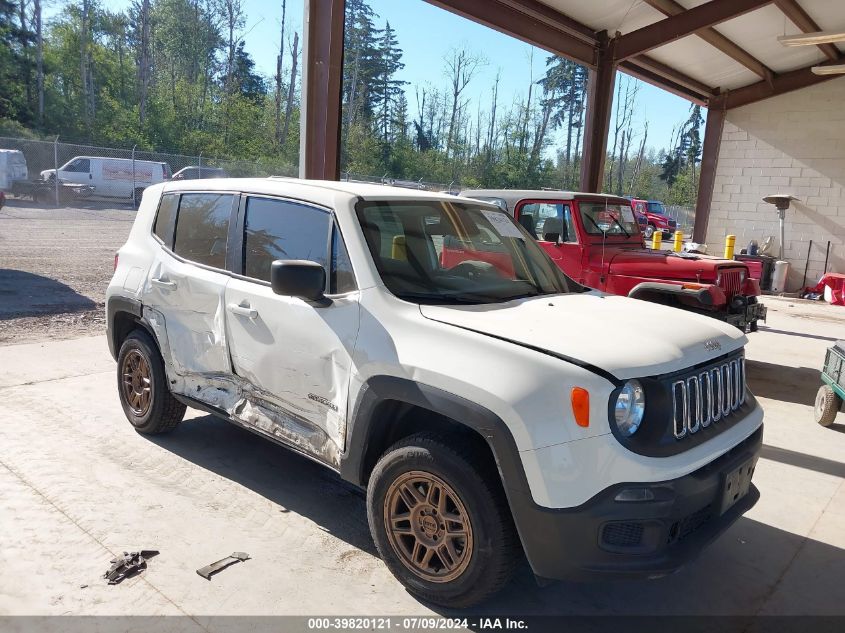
(629, 408)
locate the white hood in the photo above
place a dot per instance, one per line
(626, 337)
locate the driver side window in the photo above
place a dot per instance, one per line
(548, 221)
(80, 165)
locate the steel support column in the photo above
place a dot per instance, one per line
(322, 77)
(599, 104)
(709, 160)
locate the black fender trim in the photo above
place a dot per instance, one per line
(491, 427)
(116, 304)
(701, 295)
(379, 389)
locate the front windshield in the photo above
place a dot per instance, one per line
(656, 207)
(455, 252)
(610, 219)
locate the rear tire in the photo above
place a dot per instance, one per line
(828, 404)
(142, 385)
(139, 193)
(440, 520)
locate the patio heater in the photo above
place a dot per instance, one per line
(781, 202)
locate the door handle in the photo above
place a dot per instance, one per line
(164, 283)
(246, 311)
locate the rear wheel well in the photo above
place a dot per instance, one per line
(123, 324)
(394, 420)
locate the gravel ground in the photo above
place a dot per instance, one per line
(55, 265)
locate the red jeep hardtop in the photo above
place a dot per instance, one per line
(596, 240)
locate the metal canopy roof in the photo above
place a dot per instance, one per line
(705, 50)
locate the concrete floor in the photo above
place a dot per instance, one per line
(78, 486)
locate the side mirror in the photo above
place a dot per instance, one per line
(298, 278)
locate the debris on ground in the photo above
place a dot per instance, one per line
(209, 570)
(128, 565)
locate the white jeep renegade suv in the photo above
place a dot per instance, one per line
(424, 347)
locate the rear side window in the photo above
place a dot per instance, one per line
(278, 229)
(202, 228)
(166, 218)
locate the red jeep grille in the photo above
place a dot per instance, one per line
(730, 280)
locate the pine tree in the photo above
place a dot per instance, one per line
(386, 89)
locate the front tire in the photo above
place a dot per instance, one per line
(649, 231)
(142, 385)
(440, 520)
(828, 404)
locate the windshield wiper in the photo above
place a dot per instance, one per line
(619, 224)
(590, 218)
(603, 232)
(433, 298)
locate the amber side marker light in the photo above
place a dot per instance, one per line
(581, 406)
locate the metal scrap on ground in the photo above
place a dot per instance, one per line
(128, 565)
(209, 570)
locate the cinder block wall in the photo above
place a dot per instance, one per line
(791, 144)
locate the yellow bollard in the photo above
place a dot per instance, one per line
(679, 241)
(656, 240)
(730, 242)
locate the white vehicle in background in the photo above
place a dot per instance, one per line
(12, 168)
(112, 177)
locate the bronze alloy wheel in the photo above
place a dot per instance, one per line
(428, 526)
(137, 382)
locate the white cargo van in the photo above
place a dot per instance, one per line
(12, 168)
(112, 177)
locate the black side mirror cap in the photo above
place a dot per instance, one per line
(298, 278)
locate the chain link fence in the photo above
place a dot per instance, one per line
(684, 216)
(53, 156)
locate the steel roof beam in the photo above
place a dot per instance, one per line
(531, 22)
(783, 83)
(682, 25)
(717, 40)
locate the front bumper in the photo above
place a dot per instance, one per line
(604, 537)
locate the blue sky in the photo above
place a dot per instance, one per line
(427, 33)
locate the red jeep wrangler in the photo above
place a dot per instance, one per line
(596, 240)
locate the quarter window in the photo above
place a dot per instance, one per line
(342, 279)
(279, 229)
(166, 219)
(202, 228)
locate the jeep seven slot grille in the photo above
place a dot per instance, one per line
(707, 396)
(730, 280)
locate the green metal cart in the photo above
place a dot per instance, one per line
(832, 392)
